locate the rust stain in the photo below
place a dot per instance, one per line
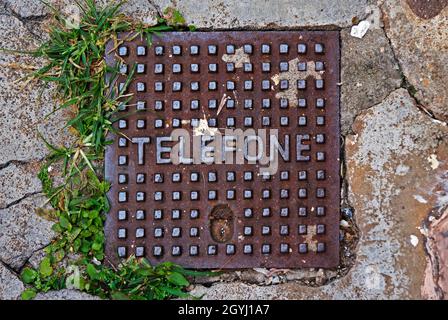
(427, 9)
(309, 238)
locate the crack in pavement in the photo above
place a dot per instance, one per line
(432, 251)
(19, 269)
(405, 82)
(27, 261)
(435, 266)
(404, 85)
(10, 269)
(156, 7)
(15, 202)
(16, 162)
(25, 21)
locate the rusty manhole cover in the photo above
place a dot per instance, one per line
(222, 215)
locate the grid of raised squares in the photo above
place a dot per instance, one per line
(301, 119)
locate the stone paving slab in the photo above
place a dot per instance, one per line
(19, 180)
(268, 14)
(22, 231)
(25, 105)
(369, 73)
(10, 285)
(421, 46)
(65, 294)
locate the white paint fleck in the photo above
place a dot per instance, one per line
(420, 199)
(239, 58)
(263, 271)
(414, 240)
(423, 230)
(292, 75)
(360, 29)
(434, 163)
(440, 122)
(203, 129)
(344, 224)
(276, 79)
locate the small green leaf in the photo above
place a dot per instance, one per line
(57, 228)
(28, 294)
(178, 279)
(59, 255)
(176, 292)
(73, 234)
(91, 271)
(45, 267)
(28, 275)
(97, 246)
(119, 296)
(64, 223)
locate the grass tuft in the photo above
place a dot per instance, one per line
(75, 63)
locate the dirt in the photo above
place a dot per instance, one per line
(221, 223)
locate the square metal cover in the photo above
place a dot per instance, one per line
(224, 215)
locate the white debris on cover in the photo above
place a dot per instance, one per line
(222, 103)
(360, 29)
(414, 240)
(203, 129)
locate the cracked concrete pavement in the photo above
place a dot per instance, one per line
(394, 109)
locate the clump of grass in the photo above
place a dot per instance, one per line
(76, 64)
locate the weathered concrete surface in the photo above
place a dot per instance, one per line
(25, 105)
(389, 175)
(10, 286)
(31, 9)
(369, 73)
(421, 46)
(65, 294)
(28, 8)
(268, 13)
(140, 10)
(427, 9)
(18, 181)
(22, 231)
(225, 14)
(392, 189)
